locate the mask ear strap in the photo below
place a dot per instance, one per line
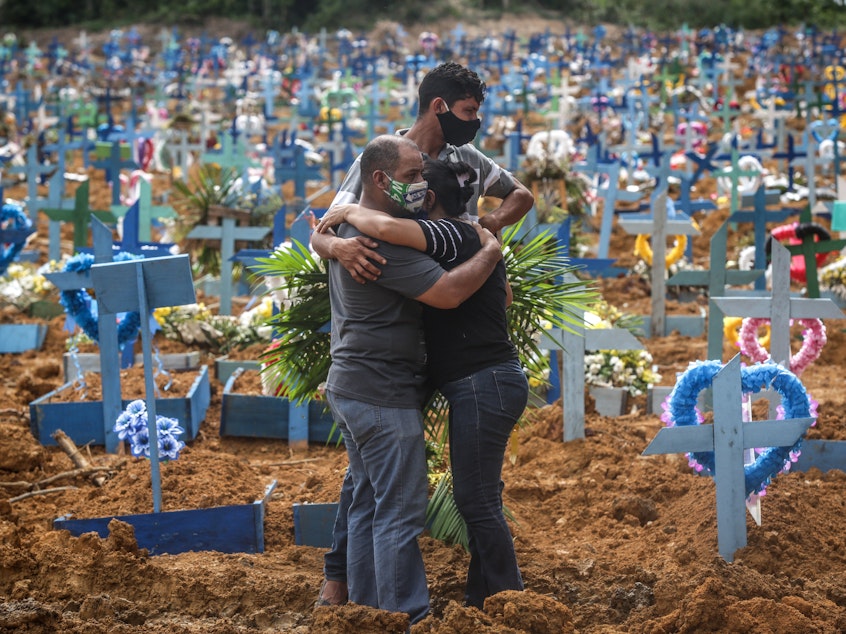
(376, 180)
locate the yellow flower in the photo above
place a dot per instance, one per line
(161, 314)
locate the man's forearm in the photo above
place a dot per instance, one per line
(514, 206)
(322, 244)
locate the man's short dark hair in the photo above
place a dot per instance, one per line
(382, 153)
(449, 81)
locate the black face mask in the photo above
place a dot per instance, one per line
(458, 131)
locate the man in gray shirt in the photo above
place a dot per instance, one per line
(376, 384)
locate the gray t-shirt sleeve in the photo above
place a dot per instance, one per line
(350, 188)
(408, 271)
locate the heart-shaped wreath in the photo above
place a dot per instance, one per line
(77, 303)
(813, 340)
(12, 218)
(680, 409)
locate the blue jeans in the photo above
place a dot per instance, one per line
(335, 560)
(483, 409)
(388, 469)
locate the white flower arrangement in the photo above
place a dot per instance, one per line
(631, 369)
(195, 324)
(22, 285)
(833, 278)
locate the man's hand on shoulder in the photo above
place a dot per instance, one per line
(358, 256)
(489, 241)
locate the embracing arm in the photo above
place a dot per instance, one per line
(356, 254)
(379, 225)
(457, 284)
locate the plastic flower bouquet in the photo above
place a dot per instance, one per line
(22, 285)
(132, 425)
(194, 324)
(630, 369)
(833, 278)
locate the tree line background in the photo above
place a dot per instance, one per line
(311, 15)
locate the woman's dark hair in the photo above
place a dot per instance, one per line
(452, 183)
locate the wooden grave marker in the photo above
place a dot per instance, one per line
(227, 232)
(759, 216)
(716, 279)
(112, 166)
(147, 211)
(659, 226)
(143, 285)
(573, 346)
(728, 437)
(80, 215)
(780, 308)
(108, 339)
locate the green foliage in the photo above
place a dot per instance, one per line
(281, 15)
(215, 186)
(546, 294)
(299, 359)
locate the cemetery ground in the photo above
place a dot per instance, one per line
(607, 540)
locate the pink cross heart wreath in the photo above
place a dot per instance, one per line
(813, 335)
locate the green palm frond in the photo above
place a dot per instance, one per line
(212, 185)
(546, 294)
(299, 357)
(436, 425)
(443, 520)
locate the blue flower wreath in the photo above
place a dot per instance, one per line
(12, 218)
(680, 409)
(77, 303)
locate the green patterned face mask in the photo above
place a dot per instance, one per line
(409, 196)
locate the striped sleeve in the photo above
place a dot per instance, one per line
(443, 239)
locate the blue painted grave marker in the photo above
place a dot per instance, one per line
(728, 437)
(143, 285)
(227, 232)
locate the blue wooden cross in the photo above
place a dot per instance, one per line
(112, 167)
(760, 217)
(227, 232)
(716, 279)
(659, 226)
(147, 211)
(107, 331)
(143, 285)
(608, 189)
(572, 380)
(132, 242)
(728, 437)
(780, 308)
(232, 154)
(289, 163)
(33, 170)
(789, 155)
